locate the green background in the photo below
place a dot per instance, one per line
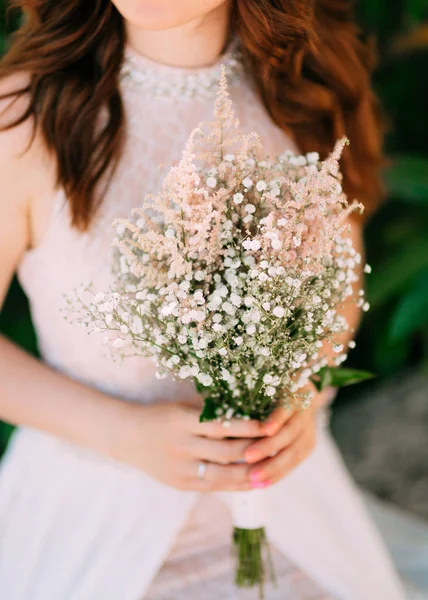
(394, 335)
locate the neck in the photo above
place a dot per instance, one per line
(195, 44)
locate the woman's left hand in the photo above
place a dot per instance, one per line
(290, 439)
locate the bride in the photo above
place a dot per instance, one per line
(101, 488)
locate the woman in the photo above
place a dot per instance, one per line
(101, 479)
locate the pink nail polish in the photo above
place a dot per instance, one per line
(260, 484)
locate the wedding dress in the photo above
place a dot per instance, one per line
(78, 526)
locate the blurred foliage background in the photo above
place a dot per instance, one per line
(394, 335)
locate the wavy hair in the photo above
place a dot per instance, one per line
(310, 65)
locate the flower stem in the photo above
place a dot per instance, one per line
(253, 556)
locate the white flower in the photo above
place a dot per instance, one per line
(229, 157)
(316, 299)
(266, 305)
(185, 372)
(297, 241)
(120, 229)
(235, 299)
(170, 233)
(199, 275)
(136, 325)
(250, 208)
(184, 285)
(205, 379)
(247, 182)
(312, 157)
(229, 308)
(251, 244)
(238, 340)
(226, 375)
(251, 329)
(119, 343)
(278, 311)
(267, 378)
(217, 327)
(247, 218)
(211, 182)
(261, 186)
(337, 348)
(367, 269)
(99, 297)
(352, 344)
(168, 308)
(270, 391)
(222, 351)
(238, 198)
(366, 306)
(202, 344)
(198, 296)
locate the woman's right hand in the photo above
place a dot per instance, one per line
(167, 441)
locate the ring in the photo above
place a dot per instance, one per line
(202, 467)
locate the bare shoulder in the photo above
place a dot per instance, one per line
(26, 168)
(14, 141)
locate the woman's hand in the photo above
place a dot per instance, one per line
(168, 442)
(290, 439)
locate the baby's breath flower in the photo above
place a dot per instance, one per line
(278, 311)
(211, 182)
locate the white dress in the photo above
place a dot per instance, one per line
(78, 526)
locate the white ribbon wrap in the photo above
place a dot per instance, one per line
(248, 509)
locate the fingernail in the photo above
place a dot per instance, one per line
(260, 485)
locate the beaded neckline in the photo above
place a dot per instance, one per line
(165, 81)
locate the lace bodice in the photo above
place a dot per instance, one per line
(163, 104)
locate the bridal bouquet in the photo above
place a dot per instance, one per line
(233, 276)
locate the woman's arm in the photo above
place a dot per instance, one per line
(30, 393)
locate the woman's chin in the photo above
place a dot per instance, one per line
(163, 14)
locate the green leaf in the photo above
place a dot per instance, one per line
(407, 178)
(208, 412)
(412, 310)
(339, 377)
(397, 271)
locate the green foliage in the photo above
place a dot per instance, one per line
(339, 377)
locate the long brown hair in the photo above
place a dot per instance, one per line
(310, 66)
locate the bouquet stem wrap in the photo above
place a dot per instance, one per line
(253, 558)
